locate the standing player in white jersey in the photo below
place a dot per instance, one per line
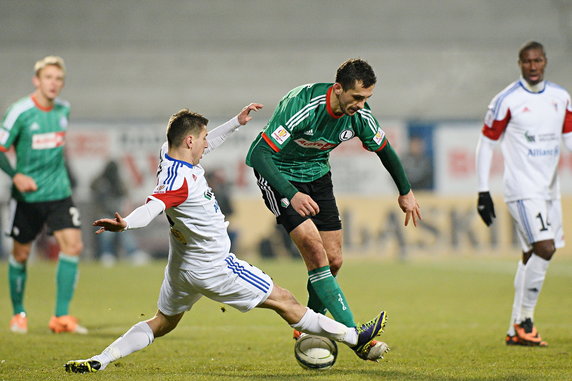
(529, 117)
(200, 262)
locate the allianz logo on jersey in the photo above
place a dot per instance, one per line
(536, 152)
(318, 144)
(48, 140)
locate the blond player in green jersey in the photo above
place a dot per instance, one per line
(290, 161)
(41, 193)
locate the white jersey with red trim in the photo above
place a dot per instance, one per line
(198, 228)
(529, 126)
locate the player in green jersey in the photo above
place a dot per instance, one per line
(41, 193)
(290, 161)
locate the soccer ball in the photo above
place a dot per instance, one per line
(315, 352)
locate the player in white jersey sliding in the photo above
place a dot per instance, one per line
(529, 117)
(200, 263)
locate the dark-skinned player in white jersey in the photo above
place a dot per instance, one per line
(290, 161)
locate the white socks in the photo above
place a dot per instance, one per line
(528, 282)
(534, 274)
(320, 325)
(518, 294)
(137, 338)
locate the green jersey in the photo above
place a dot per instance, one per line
(304, 130)
(38, 136)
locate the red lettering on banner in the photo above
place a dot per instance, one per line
(133, 170)
(88, 143)
(461, 163)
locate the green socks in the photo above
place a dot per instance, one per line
(329, 293)
(314, 302)
(17, 280)
(66, 277)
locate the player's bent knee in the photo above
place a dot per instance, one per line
(21, 252)
(545, 249)
(336, 265)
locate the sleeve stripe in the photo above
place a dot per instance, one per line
(495, 131)
(366, 114)
(382, 145)
(18, 109)
(270, 142)
(172, 198)
(567, 127)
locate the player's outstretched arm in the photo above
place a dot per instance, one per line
(218, 135)
(138, 218)
(116, 224)
(410, 207)
(244, 115)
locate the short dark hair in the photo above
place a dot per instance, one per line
(182, 124)
(531, 45)
(353, 70)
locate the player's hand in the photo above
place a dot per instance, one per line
(410, 207)
(486, 208)
(117, 224)
(304, 205)
(244, 116)
(24, 183)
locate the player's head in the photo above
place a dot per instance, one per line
(355, 81)
(187, 131)
(49, 75)
(532, 61)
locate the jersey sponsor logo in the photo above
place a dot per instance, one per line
(538, 152)
(378, 137)
(48, 140)
(280, 135)
(529, 138)
(318, 144)
(346, 135)
(4, 136)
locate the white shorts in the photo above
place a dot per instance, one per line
(537, 220)
(232, 281)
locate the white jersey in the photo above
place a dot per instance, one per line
(530, 126)
(198, 229)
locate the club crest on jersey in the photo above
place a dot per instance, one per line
(63, 122)
(280, 135)
(160, 189)
(209, 194)
(346, 135)
(378, 137)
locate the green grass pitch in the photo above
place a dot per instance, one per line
(447, 321)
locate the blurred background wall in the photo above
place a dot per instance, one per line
(132, 63)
